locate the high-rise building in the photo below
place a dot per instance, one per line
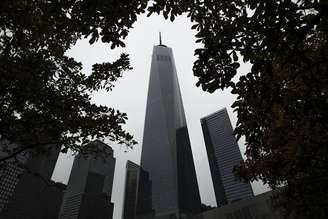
(168, 185)
(89, 188)
(26, 189)
(131, 185)
(223, 154)
(9, 175)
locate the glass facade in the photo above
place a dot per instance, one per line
(131, 185)
(9, 176)
(166, 159)
(89, 187)
(223, 154)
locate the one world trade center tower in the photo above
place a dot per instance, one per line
(168, 187)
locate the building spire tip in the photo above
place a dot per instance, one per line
(160, 40)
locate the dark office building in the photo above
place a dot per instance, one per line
(89, 189)
(131, 186)
(168, 185)
(35, 199)
(52, 198)
(29, 192)
(9, 177)
(223, 154)
(144, 196)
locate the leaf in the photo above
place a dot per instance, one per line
(235, 57)
(195, 26)
(172, 17)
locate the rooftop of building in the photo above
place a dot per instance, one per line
(213, 114)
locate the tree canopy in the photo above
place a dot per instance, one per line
(44, 96)
(281, 103)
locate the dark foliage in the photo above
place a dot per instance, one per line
(282, 103)
(44, 97)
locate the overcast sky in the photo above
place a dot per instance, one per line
(130, 95)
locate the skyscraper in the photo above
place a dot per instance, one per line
(223, 154)
(9, 175)
(168, 185)
(26, 188)
(131, 186)
(89, 188)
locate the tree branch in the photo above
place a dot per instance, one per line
(31, 146)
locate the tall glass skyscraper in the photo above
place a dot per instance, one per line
(223, 154)
(168, 186)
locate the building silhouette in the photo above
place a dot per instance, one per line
(168, 186)
(258, 207)
(131, 186)
(10, 174)
(89, 189)
(26, 189)
(223, 154)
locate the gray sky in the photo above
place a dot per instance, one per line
(130, 95)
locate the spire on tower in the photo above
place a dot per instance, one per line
(160, 40)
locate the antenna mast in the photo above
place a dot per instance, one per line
(160, 39)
